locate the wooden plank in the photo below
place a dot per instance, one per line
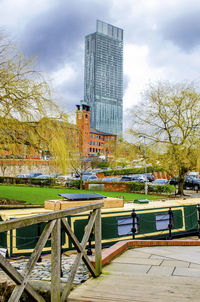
(22, 222)
(18, 278)
(78, 246)
(84, 241)
(55, 261)
(98, 247)
(62, 204)
(18, 290)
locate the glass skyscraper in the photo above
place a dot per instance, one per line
(103, 77)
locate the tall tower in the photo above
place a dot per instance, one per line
(83, 124)
(103, 77)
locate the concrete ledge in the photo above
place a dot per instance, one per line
(115, 250)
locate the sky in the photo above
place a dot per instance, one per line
(161, 41)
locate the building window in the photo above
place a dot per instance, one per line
(93, 136)
(107, 138)
(96, 136)
(90, 135)
(93, 150)
(90, 142)
(90, 149)
(96, 143)
(93, 143)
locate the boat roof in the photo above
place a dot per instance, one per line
(153, 204)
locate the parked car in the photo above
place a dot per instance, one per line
(149, 176)
(139, 178)
(126, 178)
(160, 181)
(89, 177)
(192, 183)
(33, 174)
(110, 179)
(194, 174)
(22, 175)
(44, 176)
(77, 175)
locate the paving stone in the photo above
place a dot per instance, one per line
(137, 253)
(186, 272)
(160, 271)
(194, 265)
(133, 260)
(118, 268)
(158, 257)
(175, 263)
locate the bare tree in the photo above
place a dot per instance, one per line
(169, 118)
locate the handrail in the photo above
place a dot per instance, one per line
(55, 220)
(34, 219)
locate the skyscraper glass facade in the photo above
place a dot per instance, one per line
(103, 78)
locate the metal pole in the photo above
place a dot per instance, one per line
(133, 215)
(146, 185)
(170, 225)
(145, 163)
(198, 208)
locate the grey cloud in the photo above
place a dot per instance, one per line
(183, 30)
(57, 35)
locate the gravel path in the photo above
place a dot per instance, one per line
(42, 270)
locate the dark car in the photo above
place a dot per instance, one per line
(160, 181)
(126, 178)
(192, 183)
(149, 176)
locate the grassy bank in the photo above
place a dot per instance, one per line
(36, 195)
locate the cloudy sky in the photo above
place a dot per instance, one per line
(161, 40)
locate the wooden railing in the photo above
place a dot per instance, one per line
(53, 227)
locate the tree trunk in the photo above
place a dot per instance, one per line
(81, 182)
(180, 186)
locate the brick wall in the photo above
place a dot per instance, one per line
(117, 187)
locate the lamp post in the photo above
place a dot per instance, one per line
(145, 163)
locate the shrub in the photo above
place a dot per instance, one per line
(74, 183)
(136, 186)
(168, 189)
(128, 171)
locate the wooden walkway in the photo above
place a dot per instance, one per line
(146, 275)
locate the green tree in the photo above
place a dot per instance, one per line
(125, 153)
(169, 119)
(28, 116)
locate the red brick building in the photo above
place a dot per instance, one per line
(91, 141)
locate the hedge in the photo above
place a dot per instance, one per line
(29, 181)
(128, 171)
(140, 186)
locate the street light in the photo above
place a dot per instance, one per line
(145, 162)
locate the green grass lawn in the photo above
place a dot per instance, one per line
(36, 195)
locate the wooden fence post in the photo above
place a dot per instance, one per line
(55, 261)
(98, 255)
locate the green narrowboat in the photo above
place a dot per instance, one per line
(151, 219)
